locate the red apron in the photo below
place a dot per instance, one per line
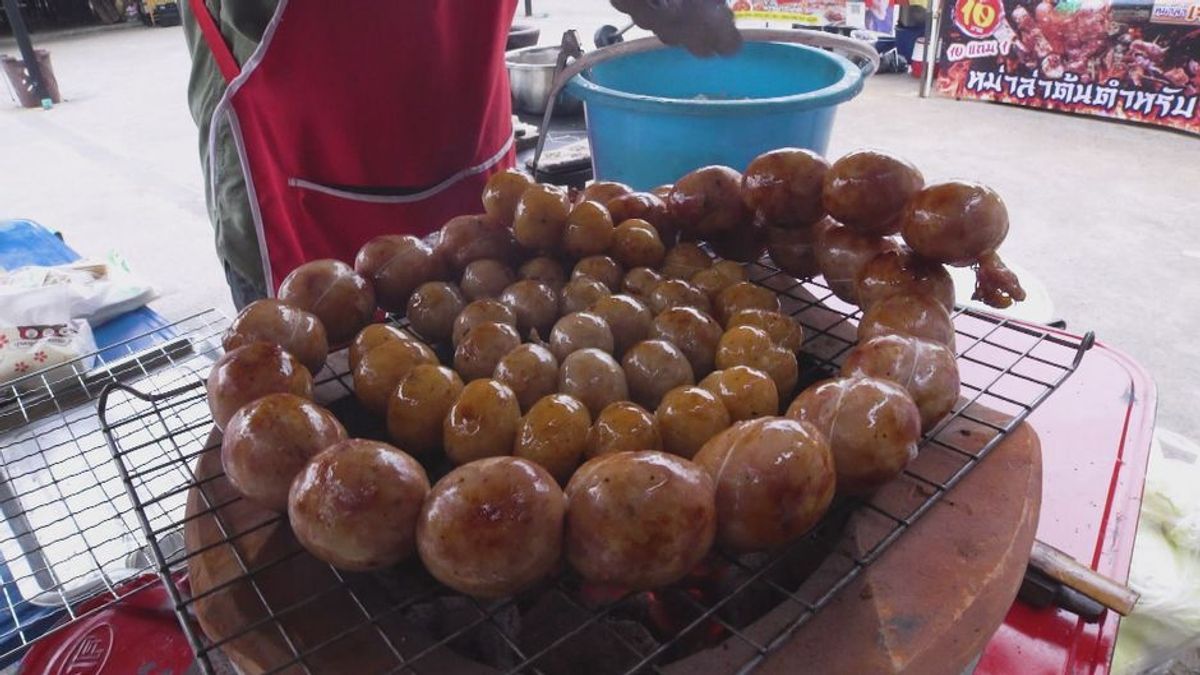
(358, 119)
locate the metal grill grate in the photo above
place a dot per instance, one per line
(69, 532)
(749, 605)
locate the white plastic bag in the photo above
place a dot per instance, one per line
(93, 290)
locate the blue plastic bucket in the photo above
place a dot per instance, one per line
(653, 116)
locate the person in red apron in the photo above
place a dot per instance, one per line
(326, 124)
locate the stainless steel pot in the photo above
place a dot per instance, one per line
(531, 77)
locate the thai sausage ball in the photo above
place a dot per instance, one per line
(774, 479)
(648, 207)
(481, 423)
(371, 337)
(355, 505)
(639, 520)
(396, 264)
(678, 293)
(783, 329)
(872, 426)
(902, 271)
(623, 426)
(794, 250)
(540, 217)
(486, 310)
(251, 372)
(594, 378)
(685, 260)
(784, 187)
(418, 407)
(708, 202)
(492, 528)
(268, 441)
(717, 278)
(636, 244)
(381, 369)
(927, 371)
(627, 317)
(298, 332)
(465, 239)
(601, 268)
(744, 244)
(333, 292)
(908, 314)
(867, 191)
(744, 295)
(640, 282)
(554, 435)
(534, 303)
(485, 278)
(687, 417)
(580, 294)
(432, 309)
(546, 270)
(841, 255)
(589, 230)
(501, 194)
(695, 333)
(603, 191)
(482, 348)
(747, 393)
(580, 330)
(753, 347)
(652, 368)
(530, 371)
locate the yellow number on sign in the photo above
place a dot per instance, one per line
(982, 14)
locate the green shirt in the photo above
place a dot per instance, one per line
(242, 23)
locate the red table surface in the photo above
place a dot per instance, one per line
(1095, 432)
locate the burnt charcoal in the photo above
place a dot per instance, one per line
(596, 648)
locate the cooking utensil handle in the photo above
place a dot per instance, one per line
(568, 48)
(1069, 572)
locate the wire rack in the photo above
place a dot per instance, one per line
(69, 531)
(403, 621)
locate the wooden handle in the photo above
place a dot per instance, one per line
(1070, 573)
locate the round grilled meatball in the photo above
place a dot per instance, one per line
(902, 271)
(502, 193)
(482, 348)
(687, 417)
(654, 367)
(783, 330)
(603, 191)
(481, 423)
(580, 330)
(720, 276)
(867, 190)
(531, 371)
(381, 369)
(541, 216)
(794, 251)
(685, 260)
(300, 333)
(432, 309)
(747, 393)
(553, 435)
(628, 318)
(872, 425)
(355, 505)
(955, 222)
(465, 239)
(418, 408)
(396, 264)
(636, 243)
(601, 268)
(927, 371)
(546, 270)
(485, 278)
(841, 255)
(774, 481)
(784, 187)
(708, 202)
(486, 310)
(534, 303)
(695, 333)
(593, 377)
(251, 372)
(750, 346)
(648, 207)
(623, 426)
(907, 314)
(589, 230)
(492, 528)
(639, 520)
(580, 293)
(269, 440)
(745, 295)
(334, 293)
(640, 282)
(678, 293)
(371, 337)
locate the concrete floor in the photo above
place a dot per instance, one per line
(1103, 213)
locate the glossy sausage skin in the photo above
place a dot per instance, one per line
(753, 347)
(300, 333)
(872, 425)
(486, 310)
(580, 294)
(371, 337)
(540, 217)
(418, 407)
(485, 278)
(636, 244)
(744, 295)
(907, 314)
(867, 190)
(355, 505)
(601, 268)
(482, 348)
(628, 317)
(381, 369)
(774, 481)
(432, 309)
(589, 230)
(708, 202)
(687, 417)
(784, 187)
(534, 303)
(396, 264)
(501, 194)
(465, 239)
(783, 329)
(955, 222)
(747, 393)
(553, 435)
(546, 270)
(481, 423)
(652, 368)
(717, 278)
(623, 426)
(639, 520)
(902, 271)
(492, 528)
(685, 260)
(794, 251)
(927, 370)
(580, 330)
(678, 293)
(337, 295)
(250, 372)
(694, 332)
(841, 255)
(268, 441)
(531, 371)
(593, 377)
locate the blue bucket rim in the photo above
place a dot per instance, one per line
(843, 89)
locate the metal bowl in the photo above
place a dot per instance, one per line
(531, 75)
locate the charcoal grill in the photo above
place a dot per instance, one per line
(158, 428)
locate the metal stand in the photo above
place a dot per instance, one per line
(21, 33)
(933, 28)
